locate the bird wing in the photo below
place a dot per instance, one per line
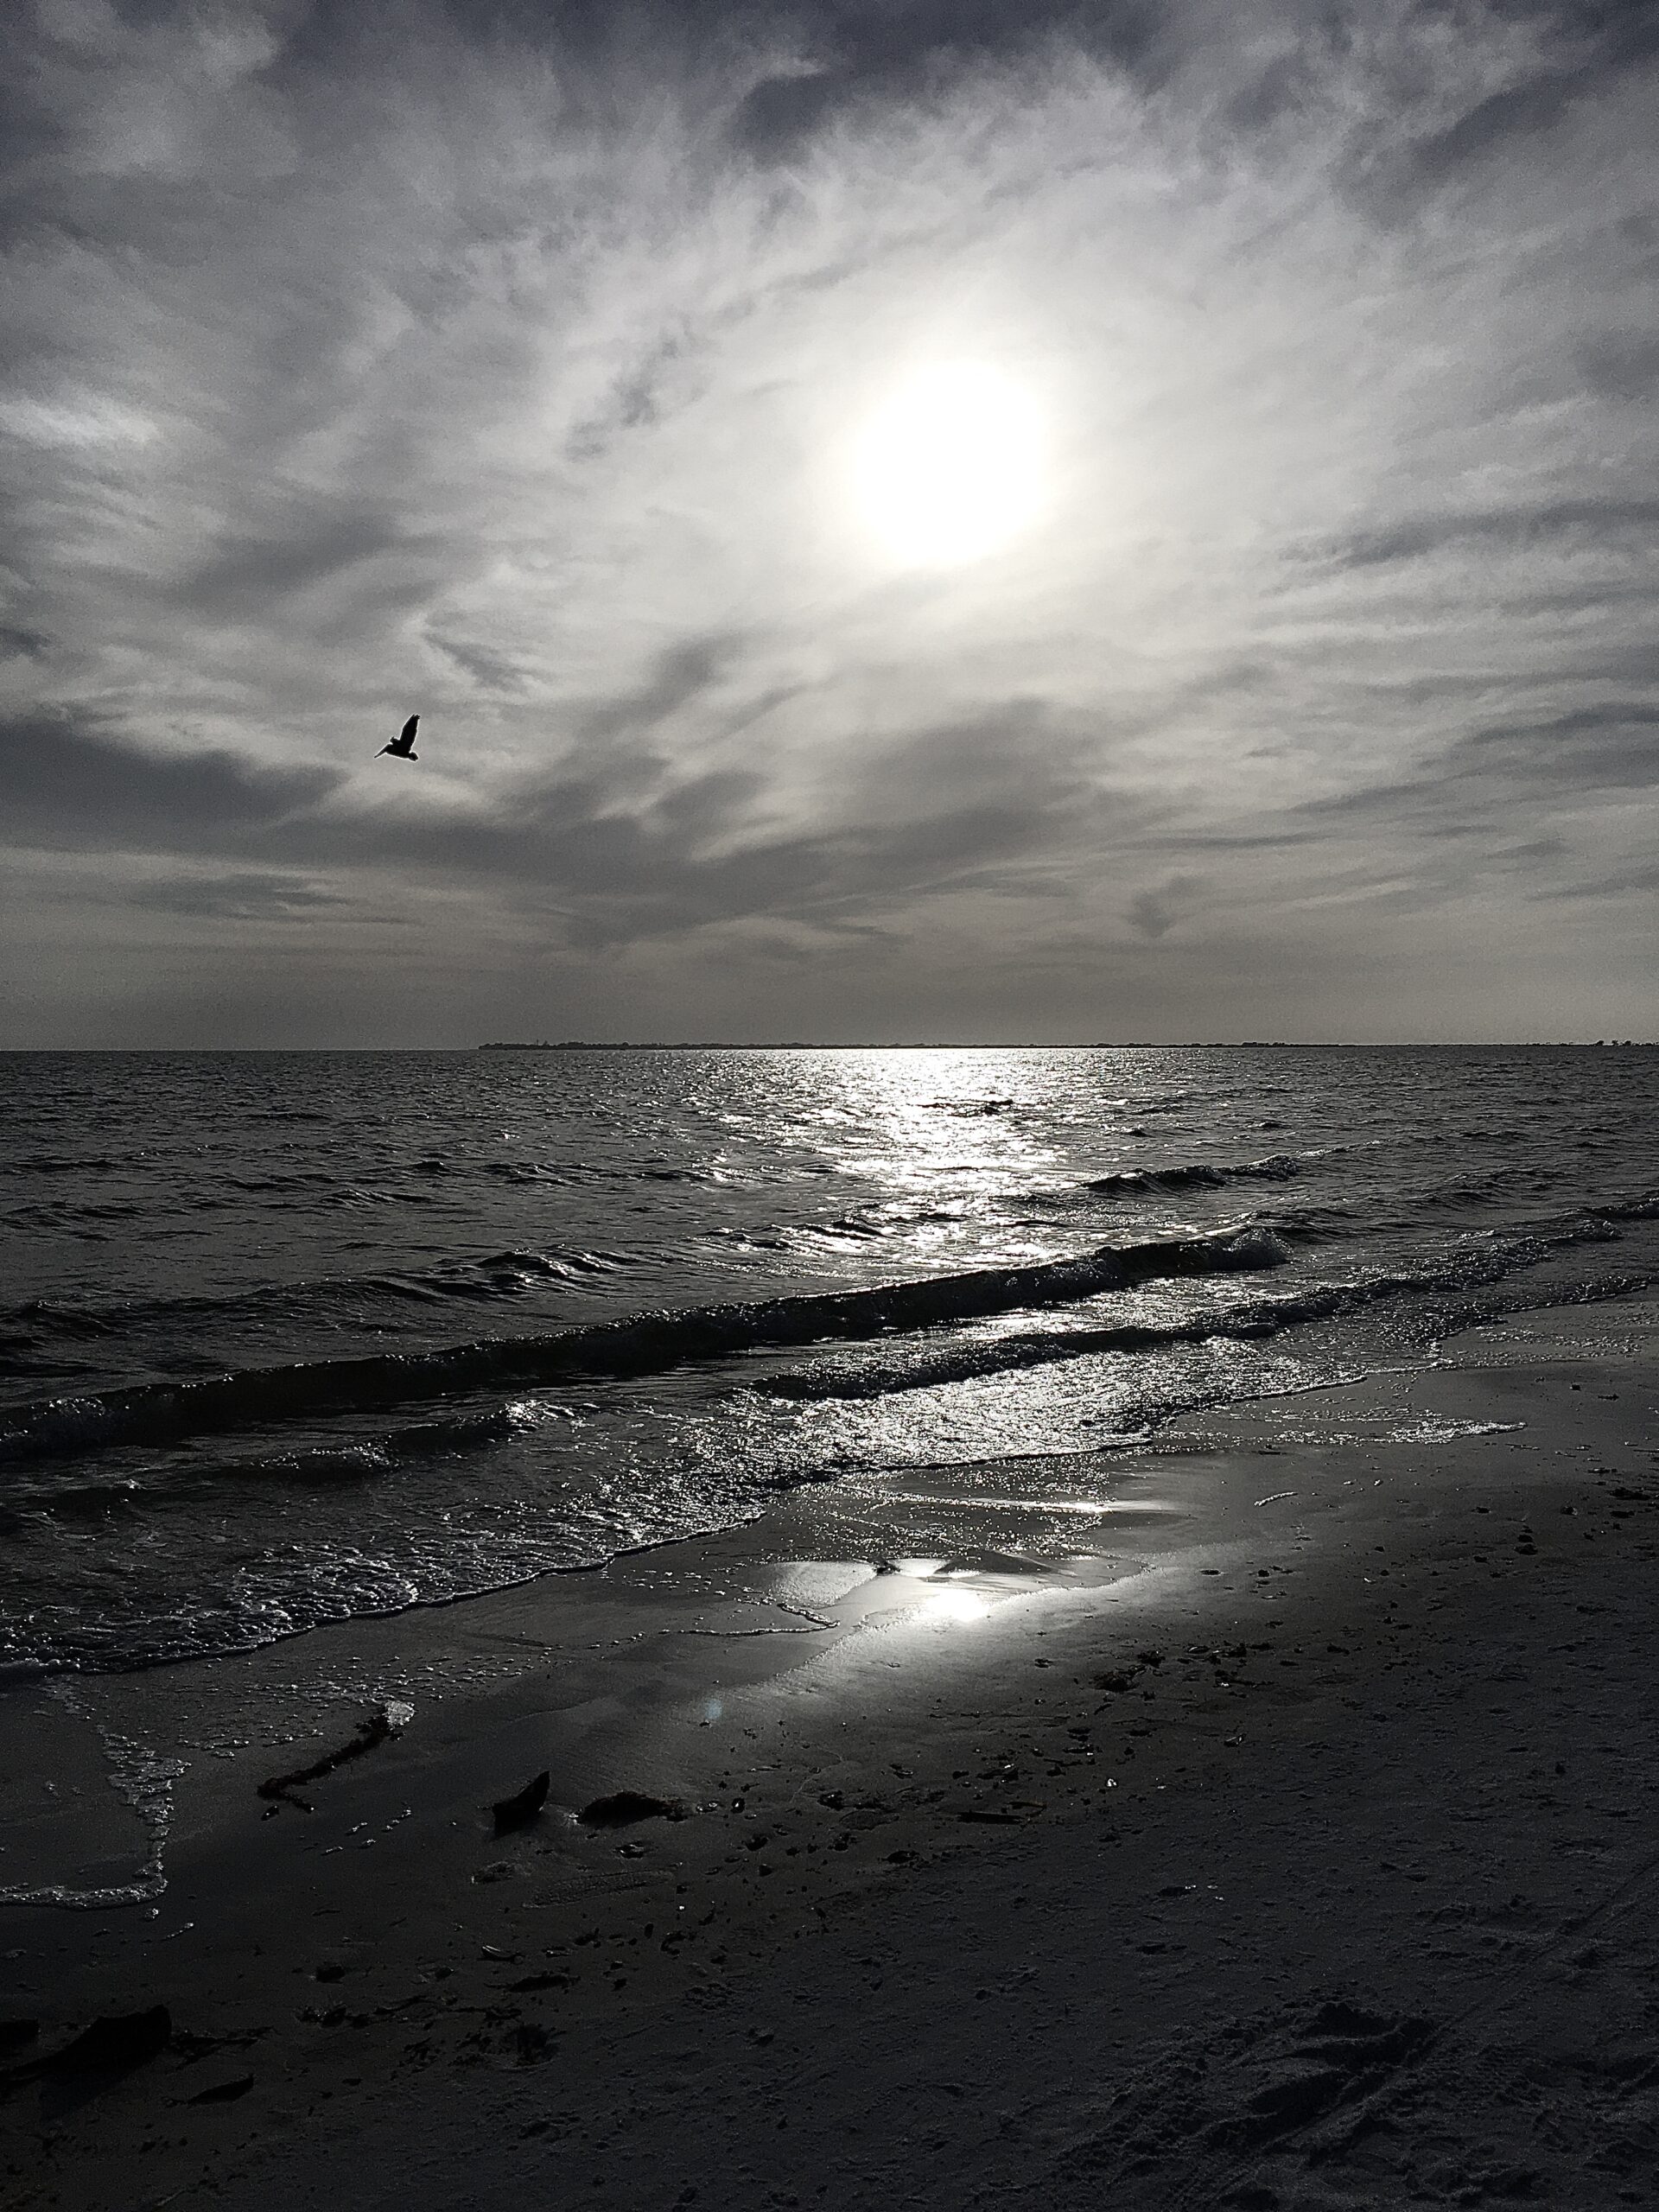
(407, 736)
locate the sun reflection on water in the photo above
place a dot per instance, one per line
(948, 1126)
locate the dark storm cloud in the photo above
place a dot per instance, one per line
(67, 784)
(1598, 45)
(639, 851)
(865, 55)
(1611, 747)
(1608, 748)
(325, 541)
(843, 53)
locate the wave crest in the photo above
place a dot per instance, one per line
(640, 1344)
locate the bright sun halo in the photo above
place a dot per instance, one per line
(952, 467)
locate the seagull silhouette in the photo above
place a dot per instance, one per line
(403, 744)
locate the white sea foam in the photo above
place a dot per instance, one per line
(145, 1779)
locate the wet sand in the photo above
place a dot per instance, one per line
(1281, 1835)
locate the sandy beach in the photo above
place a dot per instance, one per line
(1284, 1838)
(829, 1106)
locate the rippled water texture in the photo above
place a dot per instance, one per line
(288, 1337)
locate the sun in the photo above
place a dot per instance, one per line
(952, 467)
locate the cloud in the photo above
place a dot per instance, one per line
(1153, 913)
(65, 784)
(510, 371)
(1612, 885)
(625, 847)
(1596, 521)
(325, 543)
(1595, 47)
(246, 896)
(681, 673)
(851, 57)
(1503, 768)
(1621, 364)
(1612, 746)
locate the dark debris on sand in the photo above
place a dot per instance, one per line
(623, 1807)
(518, 1810)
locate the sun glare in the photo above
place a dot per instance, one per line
(954, 1605)
(952, 467)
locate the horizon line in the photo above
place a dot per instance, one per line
(808, 1045)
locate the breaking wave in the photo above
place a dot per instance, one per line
(641, 1344)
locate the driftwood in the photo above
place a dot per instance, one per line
(517, 1811)
(281, 1787)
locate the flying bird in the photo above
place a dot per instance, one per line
(403, 744)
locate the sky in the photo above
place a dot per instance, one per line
(902, 519)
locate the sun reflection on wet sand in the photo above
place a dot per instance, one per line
(953, 1605)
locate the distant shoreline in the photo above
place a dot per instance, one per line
(806, 1044)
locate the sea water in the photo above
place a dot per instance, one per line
(290, 1337)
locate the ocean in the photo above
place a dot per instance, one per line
(287, 1338)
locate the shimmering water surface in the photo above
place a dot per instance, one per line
(287, 1337)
